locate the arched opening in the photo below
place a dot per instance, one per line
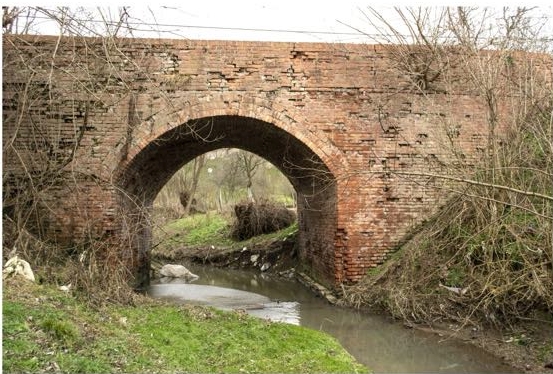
(312, 180)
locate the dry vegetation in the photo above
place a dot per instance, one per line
(487, 255)
(253, 219)
(39, 155)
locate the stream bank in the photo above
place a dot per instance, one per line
(524, 347)
(48, 330)
(381, 344)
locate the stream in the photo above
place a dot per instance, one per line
(382, 345)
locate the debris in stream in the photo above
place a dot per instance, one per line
(177, 271)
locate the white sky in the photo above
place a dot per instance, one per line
(307, 16)
(317, 20)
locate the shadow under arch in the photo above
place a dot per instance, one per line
(150, 169)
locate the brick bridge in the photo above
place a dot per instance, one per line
(117, 118)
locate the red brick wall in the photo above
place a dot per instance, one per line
(337, 119)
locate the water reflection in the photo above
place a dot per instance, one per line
(228, 299)
(383, 346)
(390, 348)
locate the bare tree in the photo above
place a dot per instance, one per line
(17, 20)
(40, 176)
(197, 167)
(250, 163)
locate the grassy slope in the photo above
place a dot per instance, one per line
(46, 329)
(203, 230)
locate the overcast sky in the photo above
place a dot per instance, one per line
(263, 20)
(299, 20)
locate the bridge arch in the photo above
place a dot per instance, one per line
(310, 164)
(191, 109)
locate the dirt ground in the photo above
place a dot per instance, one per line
(527, 347)
(279, 255)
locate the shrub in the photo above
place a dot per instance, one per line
(254, 219)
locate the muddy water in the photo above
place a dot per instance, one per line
(383, 346)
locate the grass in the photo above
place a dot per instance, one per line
(194, 230)
(202, 230)
(199, 229)
(47, 330)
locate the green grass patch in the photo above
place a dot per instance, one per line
(59, 328)
(201, 230)
(50, 332)
(47, 330)
(216, 341)
(194, 230)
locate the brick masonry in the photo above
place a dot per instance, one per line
(339, 120)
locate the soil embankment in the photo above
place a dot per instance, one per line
(273, 256)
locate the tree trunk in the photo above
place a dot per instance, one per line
(199, 163)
